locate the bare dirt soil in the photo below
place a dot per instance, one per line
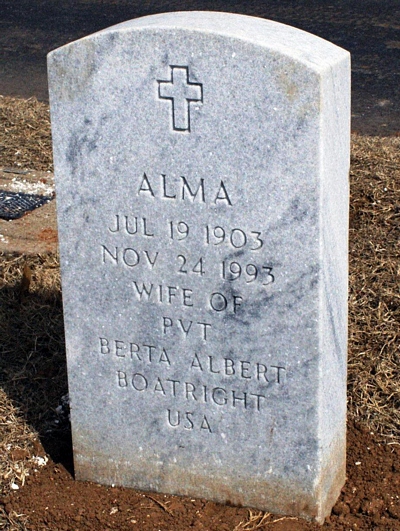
(51, 499)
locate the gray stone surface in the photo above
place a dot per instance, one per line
(202, 184)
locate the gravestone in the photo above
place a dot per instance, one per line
(201, 165)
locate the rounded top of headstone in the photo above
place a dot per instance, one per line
(302, 46)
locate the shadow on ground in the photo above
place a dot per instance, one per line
(33, 370)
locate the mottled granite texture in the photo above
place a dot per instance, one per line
(202, 188)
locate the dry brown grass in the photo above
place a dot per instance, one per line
(260, 520)
(12, 521)
(17, 440)
(32, 362)
(25, 139)
(256, 520)
(374, 299)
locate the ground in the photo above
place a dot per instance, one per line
(37, 488)
(51, 499)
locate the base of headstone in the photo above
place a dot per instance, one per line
(223, 486)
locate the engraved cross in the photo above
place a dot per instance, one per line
(181, 92)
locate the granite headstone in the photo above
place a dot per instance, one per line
(201, 165)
